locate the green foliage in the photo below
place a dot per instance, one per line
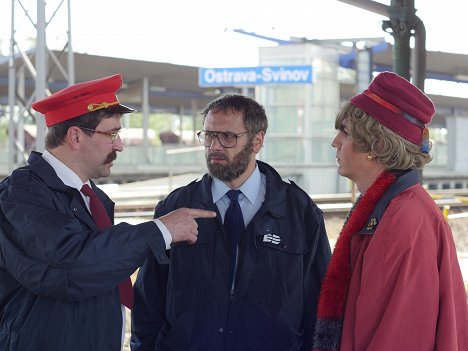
(158, 122)
(162, 122)
(3, 130)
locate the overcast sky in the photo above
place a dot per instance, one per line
(199, 33)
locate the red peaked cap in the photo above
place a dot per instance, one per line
(397, 104)
(82, 98)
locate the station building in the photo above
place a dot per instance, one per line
(301, 87)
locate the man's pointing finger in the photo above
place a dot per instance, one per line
(197, 213)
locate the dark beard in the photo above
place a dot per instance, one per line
(233, 169)
(111, 157)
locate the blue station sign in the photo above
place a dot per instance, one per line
(260, 75)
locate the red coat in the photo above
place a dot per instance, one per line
(406, 290)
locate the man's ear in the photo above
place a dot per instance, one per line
(74, 137)
(257, 141)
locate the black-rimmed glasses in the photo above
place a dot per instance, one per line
(226, 139)
(113, 135)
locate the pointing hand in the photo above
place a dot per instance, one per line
(182, 225)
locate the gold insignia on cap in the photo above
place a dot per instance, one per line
(94, 107)
(371, 224)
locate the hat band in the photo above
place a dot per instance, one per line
(94, 107)
(393, 108)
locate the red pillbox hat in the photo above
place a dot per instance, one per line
(398, 105)
(82, 98)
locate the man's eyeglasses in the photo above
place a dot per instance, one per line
(226, 139)
(112, 135)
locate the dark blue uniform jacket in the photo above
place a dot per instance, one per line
(283, 256)
(58, 273)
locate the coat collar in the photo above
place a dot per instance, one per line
(46, 172)
(275, 190)
(274, 197)
(402, 183)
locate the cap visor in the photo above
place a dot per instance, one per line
(120, 109)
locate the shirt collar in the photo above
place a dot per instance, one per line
(66, 175)
(250, 188)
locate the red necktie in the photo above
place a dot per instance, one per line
(102, 220)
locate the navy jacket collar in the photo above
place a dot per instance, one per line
(402, 183)
(45, 171)
(274, 197)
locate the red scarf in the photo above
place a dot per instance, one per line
(335, 285)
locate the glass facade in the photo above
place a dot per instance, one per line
(301, 116)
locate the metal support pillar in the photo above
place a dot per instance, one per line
(145, 112)
(402, 15)
(70, 55)
(419, 57)
(402, 24)
(41, 72)
(11, 96)
(181, 122)
(195, 116)
(25, 67)
(364, 68)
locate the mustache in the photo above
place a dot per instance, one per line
(111, 157)
(216, 155)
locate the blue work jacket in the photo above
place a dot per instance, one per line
(58, 273)
(283, 255)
